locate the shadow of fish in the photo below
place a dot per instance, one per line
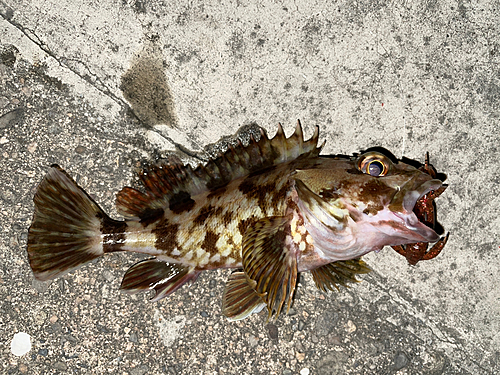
(271, 210)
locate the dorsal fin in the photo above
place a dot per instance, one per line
(174, 185)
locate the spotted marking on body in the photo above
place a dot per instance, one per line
(181, 202)
(113, 234)
(166, 236)
(210, 241)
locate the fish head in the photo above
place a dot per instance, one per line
(353, 206)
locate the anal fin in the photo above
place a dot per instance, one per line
(163, 277)
(269, 257)
(339, 273)
(240, 299)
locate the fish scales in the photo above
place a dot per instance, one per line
(214, 224)
(270, 209)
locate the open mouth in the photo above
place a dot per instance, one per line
(412, 197)
(418, 207)
(418, 213)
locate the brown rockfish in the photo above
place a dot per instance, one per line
(271, 210)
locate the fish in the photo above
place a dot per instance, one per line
(268, 210)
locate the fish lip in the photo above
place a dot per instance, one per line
(409, 218)
(411, 197)
(411, 222)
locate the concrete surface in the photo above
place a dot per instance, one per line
(100, 86)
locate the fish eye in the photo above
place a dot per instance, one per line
(375, 168)
(374, 164)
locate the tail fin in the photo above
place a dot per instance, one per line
(66, 228)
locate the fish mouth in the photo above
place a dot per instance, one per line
(421, 232)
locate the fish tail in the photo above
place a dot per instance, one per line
(68, 227)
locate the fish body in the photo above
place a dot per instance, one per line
(271, 209)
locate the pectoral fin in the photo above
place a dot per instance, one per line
(269, 258)
(338, 273)
(240, 299)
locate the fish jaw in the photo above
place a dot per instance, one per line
(388, 228)
(397, 222)
(357, 233)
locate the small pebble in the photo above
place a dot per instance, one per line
(11, 118)
(80, 149)
(300, 356)
(21, 344)
(301, 325)
(40, 317)
(253, 341)
(272, 331)
(351, 327)
(304, 371)
(56, 327)
(400, 361)
(61, 366)
(54, 129)
(43, 352)
(108, 276)
(204, 314)
(300, 347)
(26, 90)
(141, 370)
(3, 101)
(32, 147)
(334, 340)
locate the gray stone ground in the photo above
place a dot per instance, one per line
(100, 86)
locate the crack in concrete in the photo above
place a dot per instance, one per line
(33, 37)
(90, 77)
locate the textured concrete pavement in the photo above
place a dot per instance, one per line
(99, 87)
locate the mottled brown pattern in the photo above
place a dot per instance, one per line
(166, 236)
(218, 211)
(258, 192)
(227, 217)
(110, 226)
(280, 196)
(150, 216)
(247, 186)
(244, 224)
(113, 242)
(181, 202)
(203, 214)
(209, 242)
(114, 233)
(329, 194)
(373, 190)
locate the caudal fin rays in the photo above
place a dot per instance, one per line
(66, 227)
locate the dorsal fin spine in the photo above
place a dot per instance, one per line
(164, 181)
